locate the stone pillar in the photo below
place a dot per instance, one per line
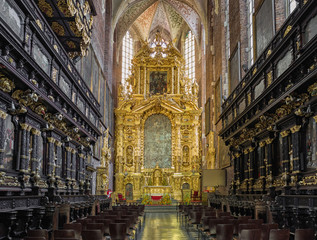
(58, 167)
(285, 151)
(3, 116)
(25, 147)
(36, 151)
(295, 163)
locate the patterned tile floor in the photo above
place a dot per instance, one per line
(163, 226)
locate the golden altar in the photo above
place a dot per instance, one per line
(157, 87)
(157, 190)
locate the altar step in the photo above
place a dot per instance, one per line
(160, 208)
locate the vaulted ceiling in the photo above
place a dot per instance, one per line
(145, 17)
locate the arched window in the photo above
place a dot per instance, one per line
(189, 52)
(127, 55)
(290, 6)
(250, 32)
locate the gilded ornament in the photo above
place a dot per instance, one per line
(295, 128)
(269, 52)
(269, 78)
(36, 132)
(71, 44)
(3, 114)
(56, 48)
(40, 110)
(58, 29)
(67, 8)
(254, 71)
(249, 98)
(45, 8)
(312, 89)
(74, 29)
(54, 75)
(269, 140)
(288, 29)
(6, 84)
(262, 144)
(39, 23)
(285, 133)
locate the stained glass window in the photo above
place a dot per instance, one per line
(189, 53)
(127, 55)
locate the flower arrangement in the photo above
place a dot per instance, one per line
(146, 199)
(166, 200)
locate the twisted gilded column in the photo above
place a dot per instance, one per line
(3, 116)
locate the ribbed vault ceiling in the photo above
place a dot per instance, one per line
(148, 16)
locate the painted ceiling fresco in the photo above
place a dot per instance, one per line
(143, 23)
(148, 16)
(160, 18)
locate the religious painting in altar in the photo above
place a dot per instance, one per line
(158, 82)
(157, 141)
(8, 143)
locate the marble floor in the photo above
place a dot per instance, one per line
(163, 226)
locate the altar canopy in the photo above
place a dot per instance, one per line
(158, 146)
(157, 142)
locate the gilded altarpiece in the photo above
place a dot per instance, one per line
(166, 113)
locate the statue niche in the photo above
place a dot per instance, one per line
(185, 155)
(129, 155)
(157, 176)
